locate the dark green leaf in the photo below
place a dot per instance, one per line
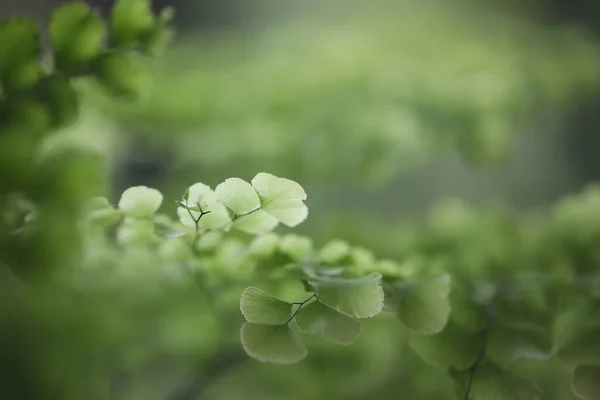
(452, 347)
(130, 21)
(586, 382)
(19, 54)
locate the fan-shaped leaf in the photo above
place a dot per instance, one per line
(140, 201)
(201, 195)
(256, 223)
(259, 307)
(282, 198)
(273, 343)
(295, 246)
(334, 252)
(360, 297)
(423, 307)
(493, 383)
(334, 326)
(264, 245)
(452, 347)
(238, 195)
(130, 20)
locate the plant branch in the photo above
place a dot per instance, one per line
(482, 352)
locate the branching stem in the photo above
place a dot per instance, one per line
(482, 353)
(300, 305)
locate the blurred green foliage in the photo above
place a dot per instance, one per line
(111, 302)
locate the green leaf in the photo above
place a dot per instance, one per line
(130, 21)
(209, 240)
(256, 223)
(122, 73)
(174, 249)
(452, 347)
(136, 232)
(77, 36)
(585, 382)
(490, 382)
(282, 198)
(334, 252)
(360, 297)
(424, 306)
(140, 201)
(296, 247)
(272, 343)
(238, 195)
(58, 94)
(263, 246)
(202, 195)
(335, 327)
(19, 54)
(508, 344)
(259, 307)
(575, 334)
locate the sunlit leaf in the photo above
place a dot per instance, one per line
(259, 307)
(360, 297)
(140, 201)
(238, 195)
(282, 198)
(272, 343)
(334, 326)
(256, 223)
(585, 382)
(201, 195)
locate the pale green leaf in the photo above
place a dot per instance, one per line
(201, 195)
(493, 383)
(362, 257)
(424, 306)
(259, 307)
(585, 382)
(360, 297)
(256, 223)
(175, 249)
(452, 347)
(209, 240)
(140, 201)
(334, 252)
(263, 246)
(295, 246)
(282, 198)
(334, 326)
(272, 343)
(238, 195)
(136, 232)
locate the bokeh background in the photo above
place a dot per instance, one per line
(382, 110)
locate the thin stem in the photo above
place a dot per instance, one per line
(300, 305)
(482, 353)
